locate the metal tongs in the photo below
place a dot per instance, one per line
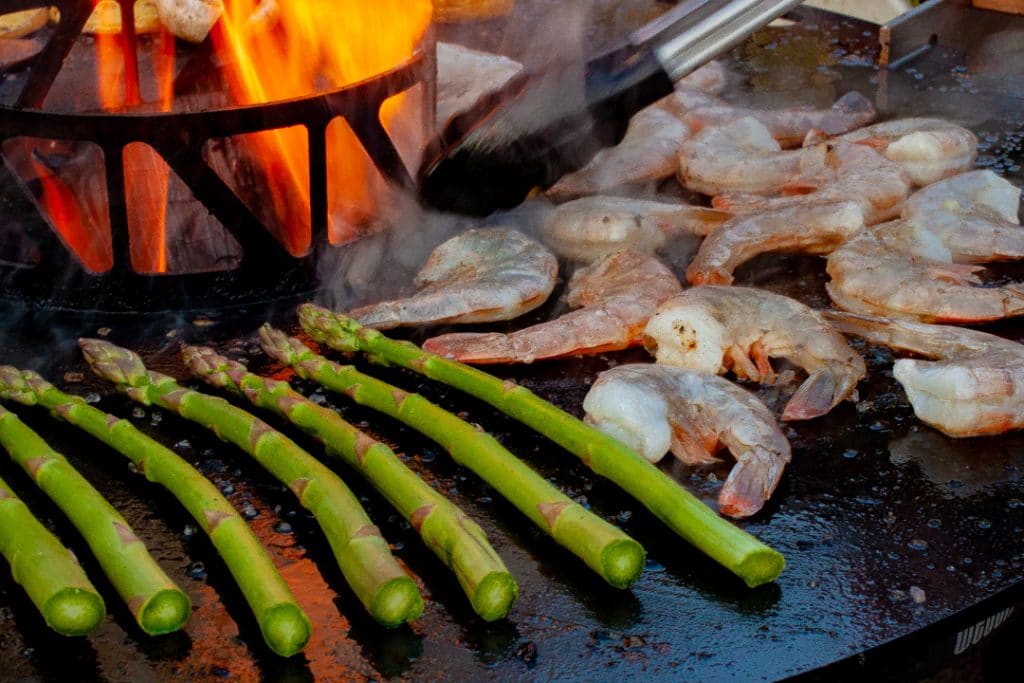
(525, 135)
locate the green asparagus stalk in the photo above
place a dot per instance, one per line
(733, 548)
(457, 540)
(284, 625)
(386, 591)
(607, 550)
(47, 570)
(157, 604)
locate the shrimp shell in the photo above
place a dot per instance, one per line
(927, 149)
(482, 275)
(657, 408)
(714, 329)
(615, 297)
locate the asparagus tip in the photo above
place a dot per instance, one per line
(74, 611)
(495, 595)
(622, 562)
(111, 362)
(397, 602)
(286, 629)
(165, 612)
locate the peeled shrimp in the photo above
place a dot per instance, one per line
(715, 329)
(656, 408)
(920, 269)
(833, 172)
(586, 229)
(790, 126)
(649, 151)
(974, 384)
(927, 149)
(810, 229)
(479, 276)
(615, 297)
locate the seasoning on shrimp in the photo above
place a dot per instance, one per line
(657, 408)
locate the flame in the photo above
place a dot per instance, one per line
(312, 46)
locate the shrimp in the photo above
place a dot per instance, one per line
(615, 297)
(921, 268)
(833, 172)
(656, 408)
(811, 229)
(973, 384)
(481, 275)
(791, 126)
(648, 152)
(710, 78)
(927, 149)
(586, 229)
(715, 329)
(738, 156)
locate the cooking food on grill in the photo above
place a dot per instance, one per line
(106, 17)
(607, 550)
(49, 572)
(810, 228)
(655, 408)
(22, 23)
(363, 555)
(455, 538)
(192, 19)
(790, 126)
(716, 329)
(285, 627)
(971, 386)
(153, 599)
(968, 209)
(481, 275)
(465, 75)
(833, 172)
(614, 296)
(927, 149)
(591, 227)
(728, 545)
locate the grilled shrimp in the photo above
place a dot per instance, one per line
(811, 229)
(479, 276)
(790, 126)
(738, 156)
(615, 297)
(656, 408)
(833, 172)
(972, 386)
(920, 268)
(715, 329)
(927, 149)
(586, 229)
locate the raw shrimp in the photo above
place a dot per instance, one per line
(920, 268)
(790, 126)
(810, 229)
(738, 156)
(649, 151)
(586, 229)
(615, 297)
(927, 149)
(710, 78)
(974, 384)
(715, 329)
(834, 172)
(657, 408)
(481, 275)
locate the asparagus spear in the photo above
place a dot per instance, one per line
(386, 591)
(284, 625)
(729, 545)
(446, 530)
(606, 549)
(47, 570)
(157, 604)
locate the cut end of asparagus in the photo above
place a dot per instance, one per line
(495, 595)
(165, 612)
(622, 562)
(761, 566)
(74, 611)
(286, 629)
(397, 602)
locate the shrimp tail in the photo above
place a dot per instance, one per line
(476, 347)
(751, 482)
(821, 392)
